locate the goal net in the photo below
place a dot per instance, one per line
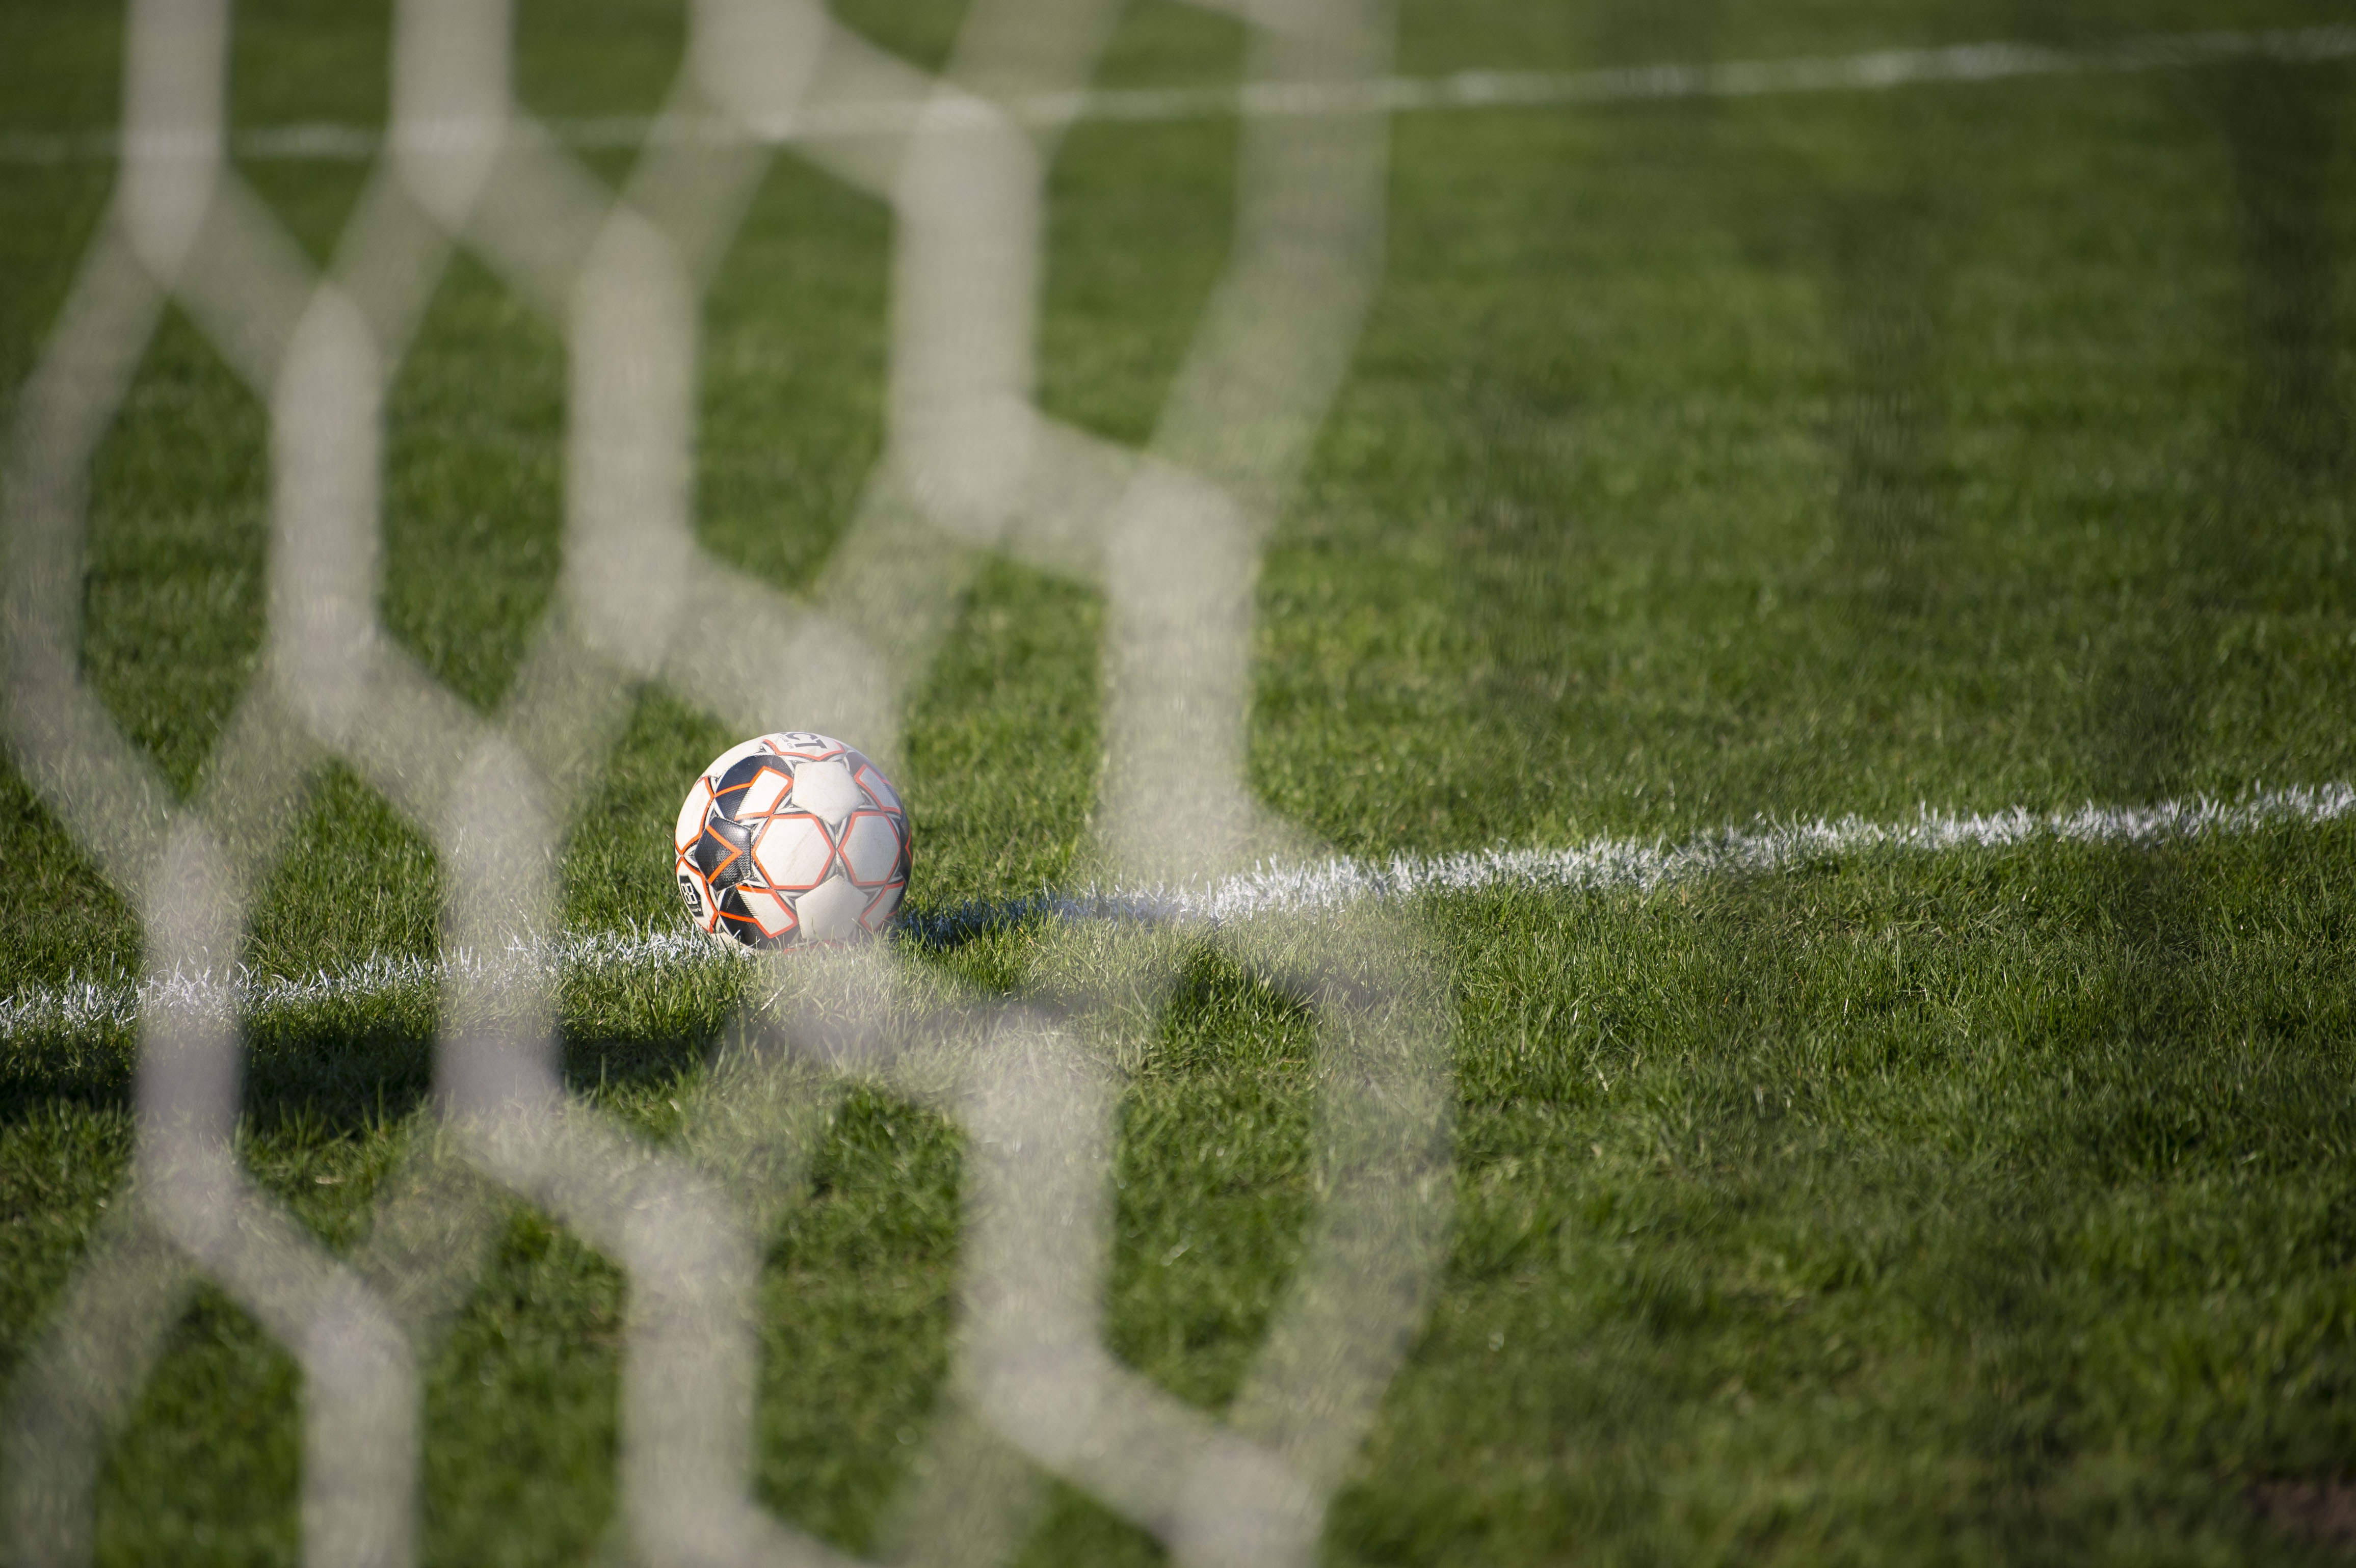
(1169, 533)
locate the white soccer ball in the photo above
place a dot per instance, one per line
(791, 839)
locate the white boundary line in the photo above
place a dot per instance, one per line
(1875, 71)
(85, 1005)
(1600, 864)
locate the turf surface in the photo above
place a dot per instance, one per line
(1977, 445)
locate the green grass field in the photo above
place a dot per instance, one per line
(1969, 444)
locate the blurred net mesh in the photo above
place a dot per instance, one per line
(1169, 534)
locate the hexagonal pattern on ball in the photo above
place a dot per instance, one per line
(789, 838)
(795, 853)
(871, 849)
(831, 910)
(827, 791)
(879, 788)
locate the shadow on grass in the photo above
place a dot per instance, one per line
(341, 1081)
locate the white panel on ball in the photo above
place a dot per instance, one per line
(830, 912)
(769, 911)
(827, 791)
(692, 814)
(871, 849)
(794, 852)
(879, 788)
(762, 796)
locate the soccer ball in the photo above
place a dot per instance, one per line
(788, 839)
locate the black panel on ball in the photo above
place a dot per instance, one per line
(738, 779)
(725, 853)
(737, 921)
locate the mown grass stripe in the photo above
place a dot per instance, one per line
(1873, 70)
(1599, 864)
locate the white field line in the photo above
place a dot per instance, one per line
(1876, 70)
(85, 1005)
(1600, 864)
(1768, 848)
